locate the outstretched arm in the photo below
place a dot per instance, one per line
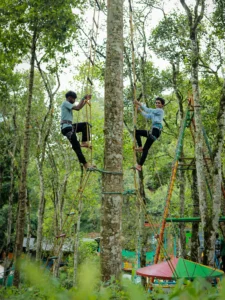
(82, 102)
(145, 111)
(142, 107)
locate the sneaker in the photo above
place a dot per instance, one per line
(87, 166)
(139, 149)
(85, 145)
(138, 168)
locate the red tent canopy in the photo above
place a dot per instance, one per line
(179, 268)
(161, 270)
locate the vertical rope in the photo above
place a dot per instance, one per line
(134, 89)
(90, 70)
(135, 121)
(88, 91)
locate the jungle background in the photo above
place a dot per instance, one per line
(39, 172)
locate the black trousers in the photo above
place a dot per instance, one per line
(151, 137)
(70, 133)
(223, 263)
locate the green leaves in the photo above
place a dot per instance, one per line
(170, 39)
(38, 284)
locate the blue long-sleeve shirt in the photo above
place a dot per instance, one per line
(155, 114)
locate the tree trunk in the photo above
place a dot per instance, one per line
(40, 156)
(57, 261)
(41, 210)
(195, 226)
(20, 224)
(77, 234)
(175, 72)
(194, 19)
(142, 236)
(217, 173)
(59, 195)
(112, 184)
(10, 211)
(199, 148)
(182, 238)
(76, 243)
(28, 226)
(1, 181)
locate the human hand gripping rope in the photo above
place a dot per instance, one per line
(86, 100)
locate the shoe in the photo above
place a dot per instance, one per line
(87, 166)
(139, 149)
(86, 145)
(138, 168)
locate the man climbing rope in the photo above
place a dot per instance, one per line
(156, 115)
(69, 129)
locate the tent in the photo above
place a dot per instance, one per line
(131, 254)
(179, 268)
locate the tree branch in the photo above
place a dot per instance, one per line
(188, 11)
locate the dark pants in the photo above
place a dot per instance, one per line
(223, 263)
(217, 261)
(70, 133)
(151, 137)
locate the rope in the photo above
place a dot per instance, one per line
(61, 237)
(91, 64)
(88, 91)
(134, 85)
(139, 198)
(113, 193)
(104, 171)
(128, 192)
(172, 180)
(190, 122)
(80, 191)
(169, 194)
(155, 232)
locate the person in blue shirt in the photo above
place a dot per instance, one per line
(156, 115)
(69, 129)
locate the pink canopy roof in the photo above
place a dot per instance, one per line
(161, 270)
(179, 268)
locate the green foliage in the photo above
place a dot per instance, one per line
(219, 19)
(53, 21)
(39, 284)
(197, 289)
(57, 25)
(170, 38)
(87, 250)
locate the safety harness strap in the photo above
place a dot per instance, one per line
(65, 122)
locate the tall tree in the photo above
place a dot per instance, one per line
(41, 25)
(77, 233)
(43, 134)
(25, 158)
(195, 17)
(112, 185)
(219, 31)
(170, 40)
(195, 226)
